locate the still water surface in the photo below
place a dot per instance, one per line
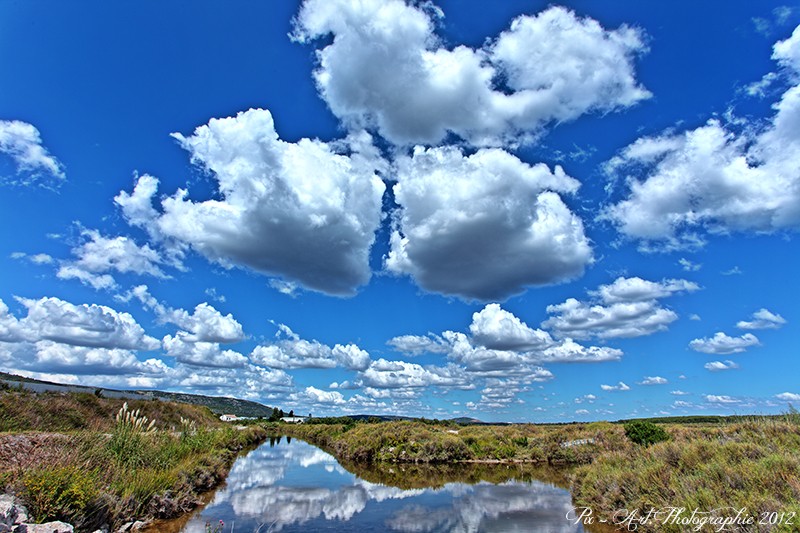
(290, 486)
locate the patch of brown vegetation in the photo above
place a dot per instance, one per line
(63, 412)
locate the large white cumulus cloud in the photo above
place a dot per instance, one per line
(301, 211)
(387, 69)
(54, 357)
(484, 226)
(300, 353)
(88, 325)
(203, 331)
(187, 350)
(96, 345)
(495, 328)
(205, 324)
(628, 307)
(401, 374)
(713, 178)
(500, 345)
(58, 336)
(294, 352)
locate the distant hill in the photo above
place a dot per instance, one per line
(466, 421)
(463, 421)
(218, 404)
(382, 418)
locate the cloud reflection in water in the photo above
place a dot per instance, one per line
(296, 486)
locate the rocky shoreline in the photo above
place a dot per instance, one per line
(14, 518)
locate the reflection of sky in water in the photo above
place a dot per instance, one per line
(297, 487)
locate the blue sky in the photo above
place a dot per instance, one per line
(523, 212)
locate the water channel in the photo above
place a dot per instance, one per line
(290, 486)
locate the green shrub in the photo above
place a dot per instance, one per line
(645, 433)
(504, 451)
(537, 455)
(59, 492)
(522, 442)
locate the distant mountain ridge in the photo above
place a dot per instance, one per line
(464, 421)
(217, 404)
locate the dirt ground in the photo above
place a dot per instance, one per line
(21, 451)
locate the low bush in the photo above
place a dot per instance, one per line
(60, 493)
(645, 433)
(520, 441)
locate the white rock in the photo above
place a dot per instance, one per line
(12, 511)
(49, 527)
(132, 526)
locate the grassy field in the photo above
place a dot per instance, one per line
(748, 463)
(22, 410)
(416, 441)
(751, 465)
(96, 462)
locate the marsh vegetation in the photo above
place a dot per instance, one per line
(95, 462)
(750, 463)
